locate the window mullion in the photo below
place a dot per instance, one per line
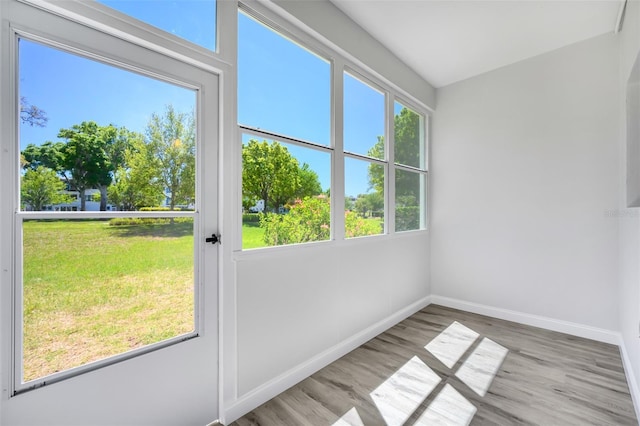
(390, 205)
(337, 125)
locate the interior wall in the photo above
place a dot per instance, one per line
(294, 306)
(524, 179)
(629, 219)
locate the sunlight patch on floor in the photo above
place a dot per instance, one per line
(350, 418)
(402, 393)
(398, 397)
(479, 370)
(452, 343)
(449, 408)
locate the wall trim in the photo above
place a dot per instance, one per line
(575, 329)
(634, 389)
(270, 389)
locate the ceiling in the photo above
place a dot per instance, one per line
(451, 40)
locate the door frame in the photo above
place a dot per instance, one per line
(108, 390)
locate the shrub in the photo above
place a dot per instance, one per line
(309, 220)
(134, 221)
(357, 226)
(251, 218)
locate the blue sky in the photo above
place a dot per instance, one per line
(283, 88)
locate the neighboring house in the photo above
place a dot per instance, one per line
(92, 202)
(258, 207)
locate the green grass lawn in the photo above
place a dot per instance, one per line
(252, 235)
(92, 290)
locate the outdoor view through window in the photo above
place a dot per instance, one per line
(284, 113)
(102, 139)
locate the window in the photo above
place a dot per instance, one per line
(364, 143)
(410, 169)
(284, 106)
(192, 20)
(286, 117)
(95, 284)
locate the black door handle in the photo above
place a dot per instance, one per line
(214, 239)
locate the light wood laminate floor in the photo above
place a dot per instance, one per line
(450, 367)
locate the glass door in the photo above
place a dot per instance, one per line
(115, 289)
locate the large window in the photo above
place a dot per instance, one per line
(284, 106)
(410, 169)
(107, 200)
(365, 165)
(372, 160)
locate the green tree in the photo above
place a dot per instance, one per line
(85, 162)
(136, 182)
(407, 129)
(49, 155)
(269, 173)
(40, 187)
(171, 138)
(371, 204)
(309, 182)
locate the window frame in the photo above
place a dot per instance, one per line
(341, 62)
(423, 172)
(119, 24)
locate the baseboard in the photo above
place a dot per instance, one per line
(265, 392)
(575, 329)
(631, 378)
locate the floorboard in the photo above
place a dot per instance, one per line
(450, 367)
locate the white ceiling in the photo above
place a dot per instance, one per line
(450, 40)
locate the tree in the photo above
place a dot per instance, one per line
(269, 172)
(407, 150)
(85, 163)
(371, 204)
(49, 155)
(171, 138)
(309, 182)
(40, 187)
(31, 114)
(136, 183)
(115, 142)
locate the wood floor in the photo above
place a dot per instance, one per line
(501, 373)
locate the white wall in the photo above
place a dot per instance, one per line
(294, 306)
(303, 307)
(525, 169)
(629, 219)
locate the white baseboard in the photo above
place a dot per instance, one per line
(631, 378)
(575, 329)
(265, 392)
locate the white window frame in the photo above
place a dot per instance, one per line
(422, 171)
(341, 62)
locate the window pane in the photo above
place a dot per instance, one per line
(284, 193)
(102, 138)
(409, 137)
(364, 198)
(410, 200)
(363, 118)
(193, 20)
(282, 87)
(94, 288)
